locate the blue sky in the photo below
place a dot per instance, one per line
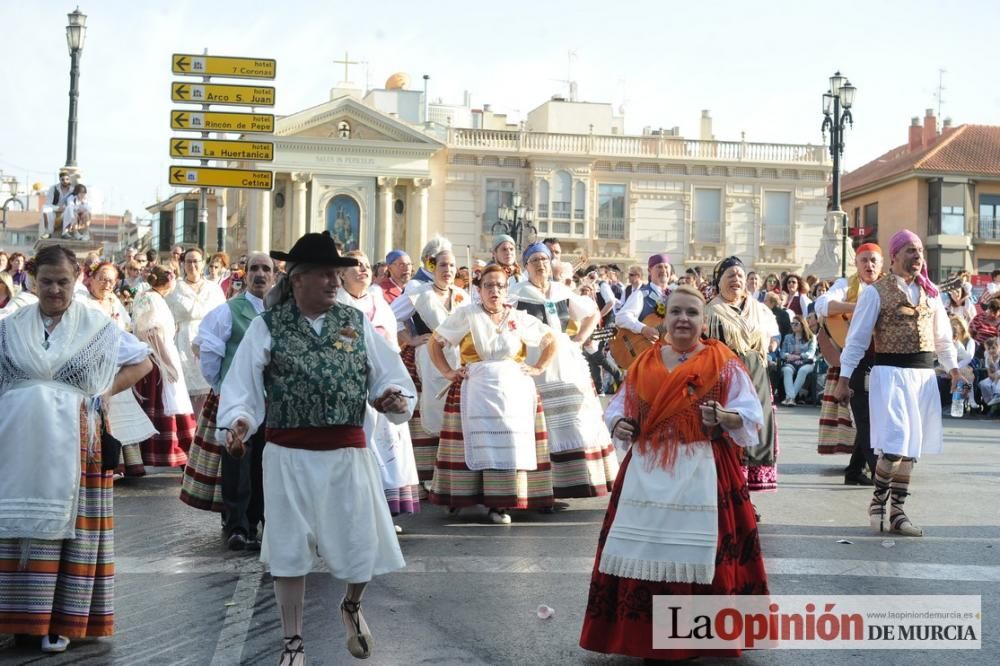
(759, 67)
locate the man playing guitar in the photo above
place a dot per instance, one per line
(834, 309)
(638, 320)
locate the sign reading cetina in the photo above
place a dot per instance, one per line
(212, 177)
(229, 67)
(221, 93)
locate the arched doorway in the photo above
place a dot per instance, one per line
(343, 221)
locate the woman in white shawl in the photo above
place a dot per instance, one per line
(59, 360)
(419, 310)
(748, 327)
(164, 393)
(126, 420)
(390, 442)
(190, 301)
(584, 463)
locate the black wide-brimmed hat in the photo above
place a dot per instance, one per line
(313, 248)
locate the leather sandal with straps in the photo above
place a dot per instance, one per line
(294, 653)
(359, 637)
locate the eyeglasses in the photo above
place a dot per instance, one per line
(539, 260)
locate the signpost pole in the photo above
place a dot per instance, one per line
(202, 192)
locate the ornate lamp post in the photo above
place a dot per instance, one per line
(516, 221)
(75, 33)
(837, 103)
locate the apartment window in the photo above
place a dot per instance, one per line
(871, 216)
(499, 192)
(707, 215)
(562, 196)
(579, 201)
(611, 211)
(945, 208)
(989, 217)
(777, 220)
(543, 199)
(857, 216)
(943, 263)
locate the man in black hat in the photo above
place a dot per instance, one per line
(318, 362)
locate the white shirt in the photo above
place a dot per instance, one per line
(242, 394)
(628, 314)
(608, 295)
(866, 313)
(213, 335)
(838, 292)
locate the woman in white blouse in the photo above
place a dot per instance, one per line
(191, 299)
(493, 449)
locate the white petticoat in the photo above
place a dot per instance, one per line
(129, 424)
(329, 505)
(905, 409)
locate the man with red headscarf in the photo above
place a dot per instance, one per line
(904, 313)
(838, 431)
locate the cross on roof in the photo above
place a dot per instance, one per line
(346, 62)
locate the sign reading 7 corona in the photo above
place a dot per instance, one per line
(233, 68)
(221, 93)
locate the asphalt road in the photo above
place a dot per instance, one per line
(470, 591)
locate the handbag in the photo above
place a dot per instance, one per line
(111, 448)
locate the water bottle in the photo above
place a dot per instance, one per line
(958, 401)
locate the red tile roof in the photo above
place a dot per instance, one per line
(967, 150)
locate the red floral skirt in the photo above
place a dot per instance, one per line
(619, 617)
(168, 448)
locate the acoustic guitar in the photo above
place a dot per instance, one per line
(832, 336)
(626, 345)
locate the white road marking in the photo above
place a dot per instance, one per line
(232, 638)
(473, 564)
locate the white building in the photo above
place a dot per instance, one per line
(378, 176)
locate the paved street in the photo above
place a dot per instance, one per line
(470, 591)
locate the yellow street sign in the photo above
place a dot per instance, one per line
(234, 68)
(211, 177)
(258, 151)
(220, 93)
(222, 121)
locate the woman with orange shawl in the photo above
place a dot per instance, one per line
(680, 521)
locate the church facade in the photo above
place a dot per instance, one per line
(377, 182)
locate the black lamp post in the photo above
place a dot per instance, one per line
(75, 33)
(516, 220)
(837, 103)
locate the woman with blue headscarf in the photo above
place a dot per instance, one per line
(747, 327)
(583, 458)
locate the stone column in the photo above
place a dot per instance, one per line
(386, 191)
(421, 193)
(299, 181)
(262, 240)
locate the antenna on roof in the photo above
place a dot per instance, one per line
(940, 91)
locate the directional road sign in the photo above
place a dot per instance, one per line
(222, 121)
(234, 68)
(220, 93)
(257, 151)
(211, 177)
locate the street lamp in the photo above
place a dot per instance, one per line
(837, 103)
(516, 221)
(75, 33)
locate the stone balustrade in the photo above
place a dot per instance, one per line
(652, 147)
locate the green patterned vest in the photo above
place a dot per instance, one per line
(242, 312)
(316, 380)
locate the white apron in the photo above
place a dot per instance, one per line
(498, 417)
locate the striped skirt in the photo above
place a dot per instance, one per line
(425, 445)
(836, 427)
(584, 472)
(455, 485)
(169, 447)
(763, 478)
(201, 486)
(403, 500)
(67, 586)
(130, 463)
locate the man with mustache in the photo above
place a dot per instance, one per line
(835, 422)
(904, 313)
(210, 467)
(400, 268)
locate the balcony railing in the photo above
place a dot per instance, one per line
(635, 146)
(988, 229)
(611, 228)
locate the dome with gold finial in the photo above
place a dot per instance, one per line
(397, 81)
(37, 187)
